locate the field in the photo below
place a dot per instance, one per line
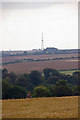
(51, 107)
(69, 72)
(47, 107)
(59, 62)
(13, 58)
(26, 67)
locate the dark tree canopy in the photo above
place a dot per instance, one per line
(49, 83)
(24, 81)
(35, 77)
(50, 72)
(53, 79)
(62, 89)
(4, 73)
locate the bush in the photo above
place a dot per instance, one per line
(41, 91)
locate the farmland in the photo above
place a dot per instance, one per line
(49, 107)
(25, 64)
(69, 72)
(26, 67)
(44, 107)
(50, 56)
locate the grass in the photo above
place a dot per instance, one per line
(68, 71)
(49, 107)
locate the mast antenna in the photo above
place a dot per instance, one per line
(42, 45)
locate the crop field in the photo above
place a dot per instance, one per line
(26, 67)
(49, 107)
(50, 56)
(21, 64)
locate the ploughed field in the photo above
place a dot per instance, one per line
(49, 107)
(26, 67)
(59, 62)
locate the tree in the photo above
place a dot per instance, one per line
(24, 81)
(47, 72)
(50, 72)
(10, 91)
(62, 89)
(41, 91)
(52, 90)
(35, 77)
(5, 87)
(4, 73)
(7, 79)
(74, 78)
(76, 90)
(17, 92)
(61, 82)
(25, 53)
(13, 77)
(52, 80)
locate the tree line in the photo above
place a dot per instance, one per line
(48, 83)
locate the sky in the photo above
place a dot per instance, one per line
(23, 24)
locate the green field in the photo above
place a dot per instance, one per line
(68, 71)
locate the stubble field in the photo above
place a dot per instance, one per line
(51, 107)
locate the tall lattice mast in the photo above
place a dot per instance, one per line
(42, 45)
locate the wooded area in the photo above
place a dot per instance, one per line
(49, 83)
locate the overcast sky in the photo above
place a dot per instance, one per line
(23, 24)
